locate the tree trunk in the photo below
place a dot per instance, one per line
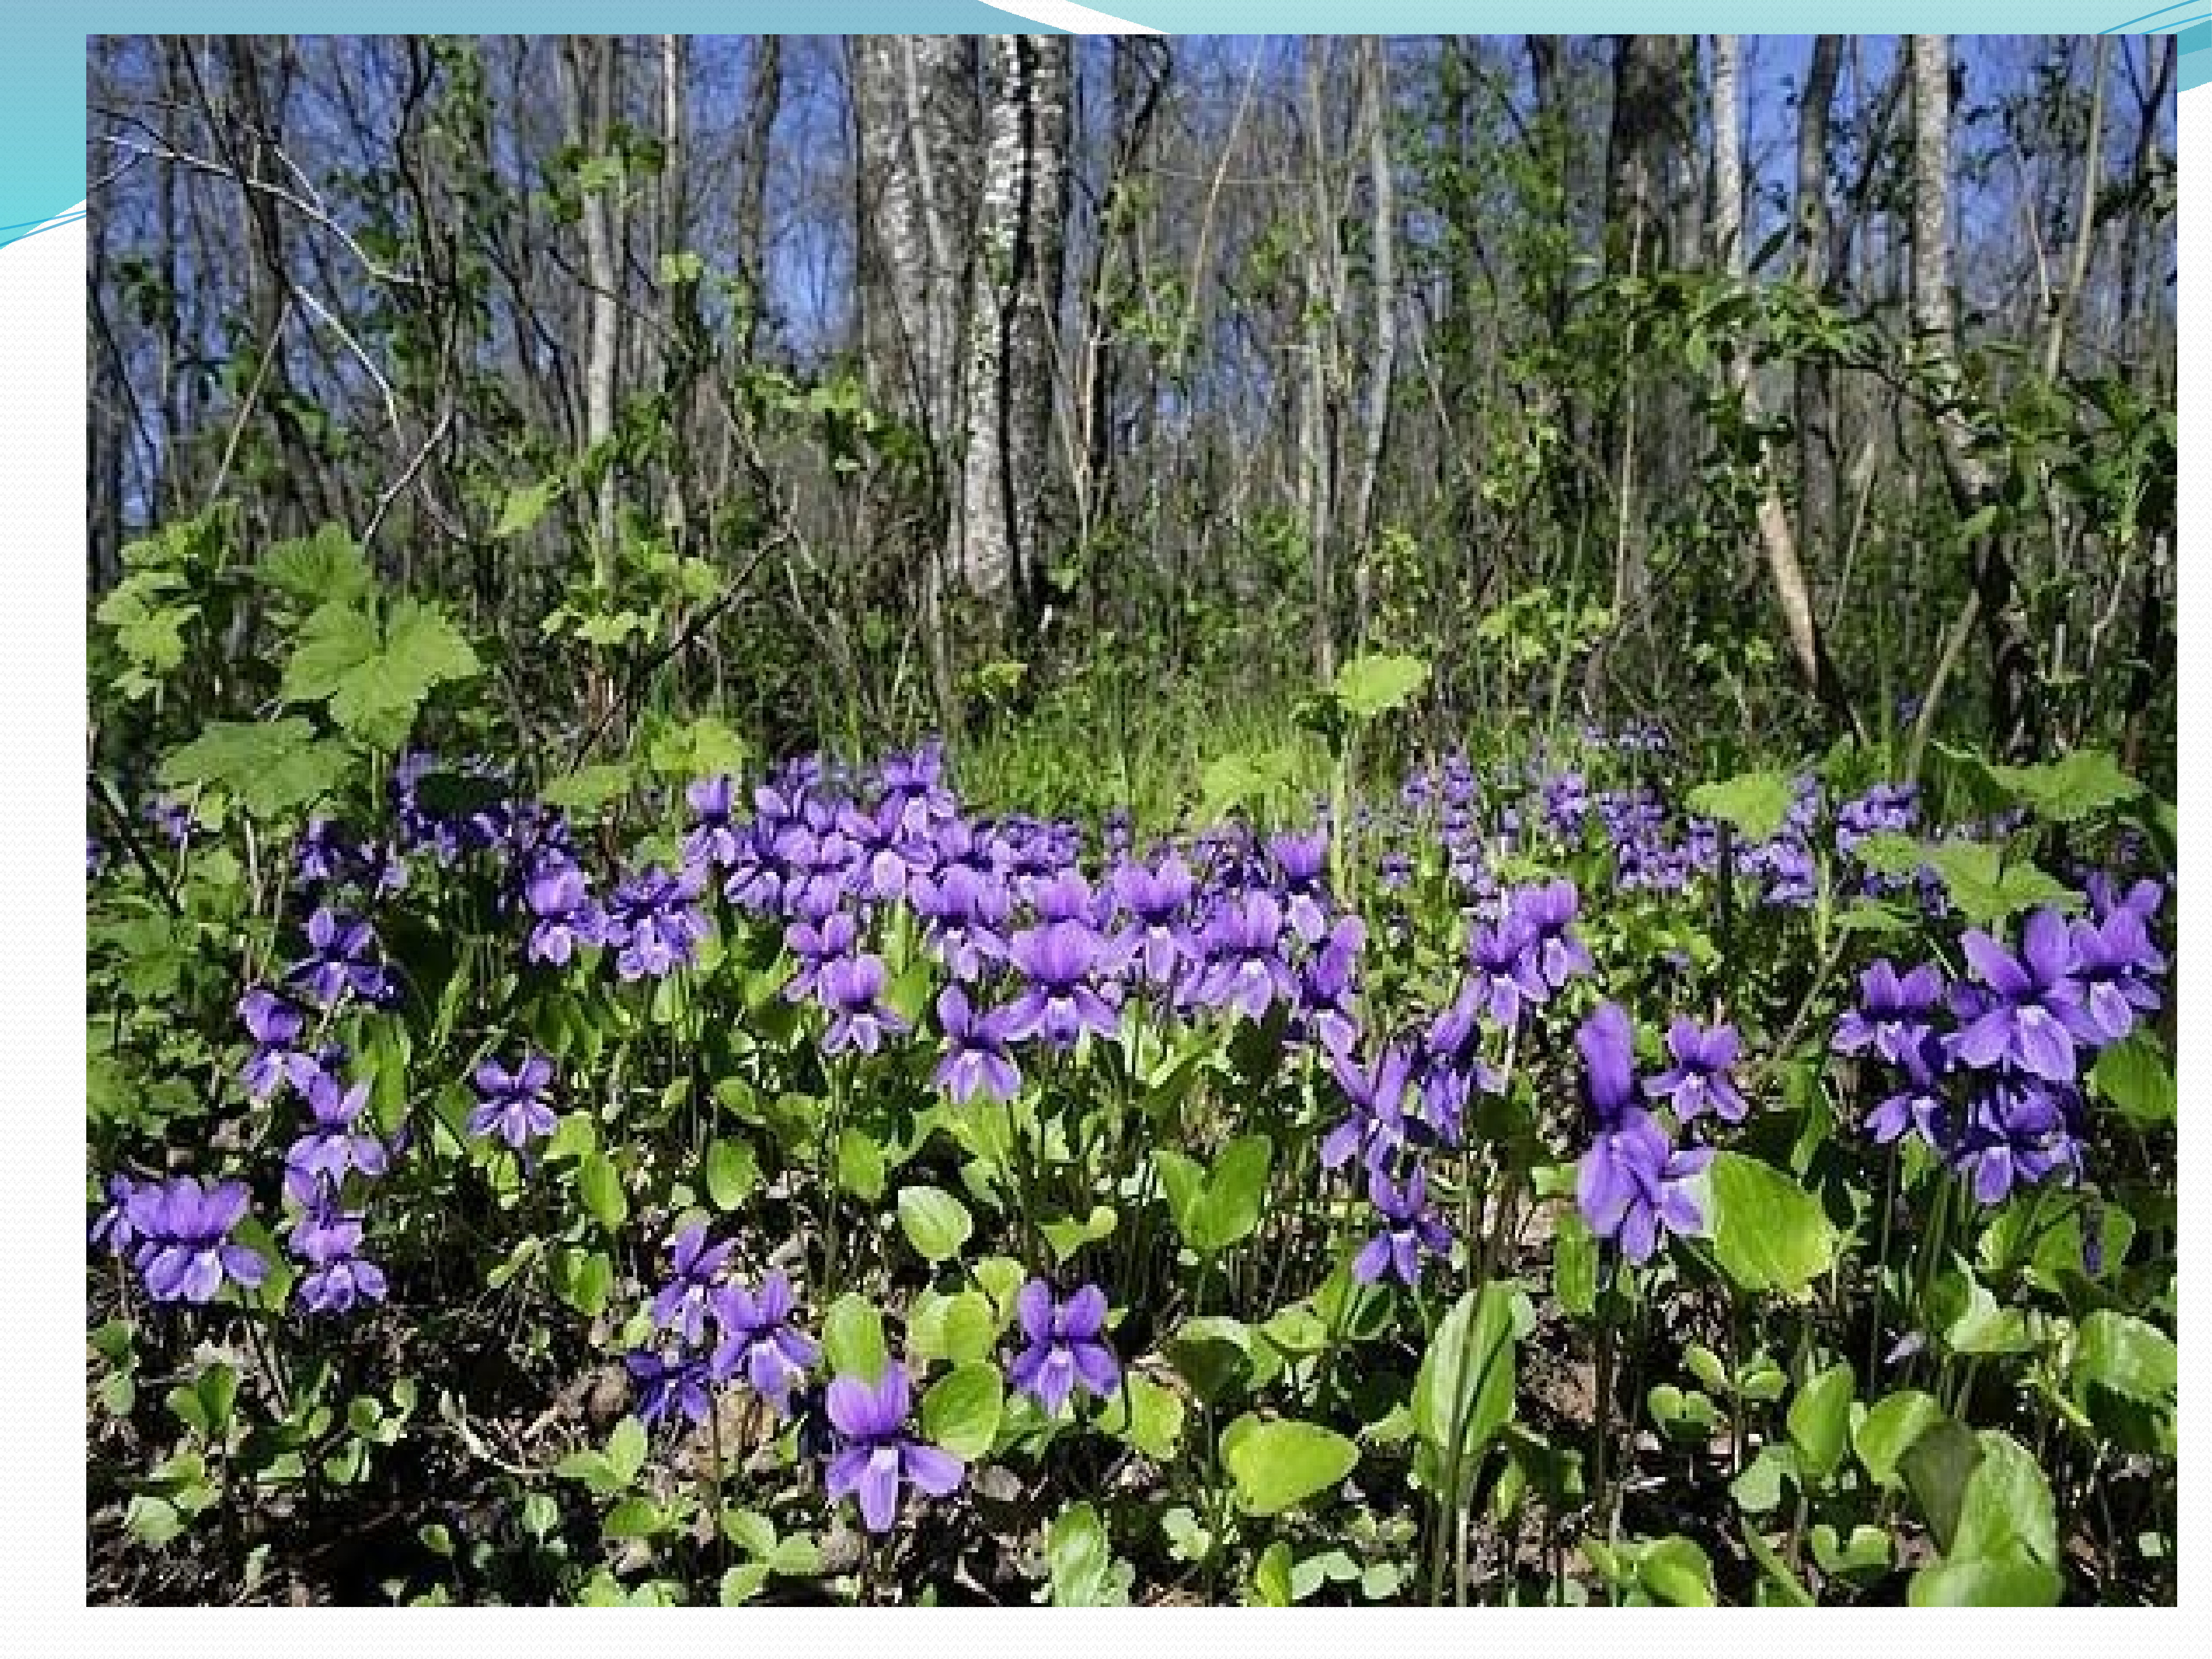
(1815, 378)
(1014, 305)
(2014, 718)
(592, 62)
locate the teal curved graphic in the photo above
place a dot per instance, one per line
(42, 79)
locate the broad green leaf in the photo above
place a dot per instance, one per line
(704, 748)
(1214, 1355)
(1888, 1431)
(1758, 1490)
(1375, 685)
(1236, 1190)
(2005, 1581)
(936, 1224)
(272, 769)
(374, 679)
(1768, 1232)
(1466, 1377)
(2007, 1505)
(860, 1165)
(1937, 1466)
(599, 1183)
(1280, 1464)
(1987, 889)
(1861, 1557)
(2133, 1076)
(1677, 1572)
(2127, 1355)
(740, 1583)
(961, 1409)
(1146, 1415)
(1754, 803)
(626, 1448)
(1183, 1181)
(733, 1172)
(1574, 1265)
(588, 788)
(853, 1338)
(1965, 1315)
(959, 1328)
(1271, 1577)
(1080, 1559)
(1066, 1237)
(1821, 1419)
(2066, 790)
(319, 568)
(633, 1517)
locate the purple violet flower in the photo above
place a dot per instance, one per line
(1066, 1346)
(877, 1455)
(759, 1339)
(1698, 1082)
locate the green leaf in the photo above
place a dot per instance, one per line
(1677, 1572)
(1574, 1265)
(325, 566)
(205, 1404)
(525, 505)
(2127, 1355)
(1213, 1353)
(2072, 788)
(626, 1448)
(750, 1531)
(1754, 803)
(705, 748)
(271, 769)
(959, 1328)
(599, 1185)
(1234, 1193)
(1821, 1419)
(740, 1583)
(1271, 1577)
(1066, 1237)
(853, 1338)
(1967, 1317)
(1080, 1559)
(733, 1172)
(1758, 1490)
(374, 680)
(1280, 1464)
(1937, 1466)
(1987, 890)
(961, 1409)
(1148, 1416)
(633, 1517)
(1863, 1557)
(1466, 1377)
(588, 788)
(1375, 685)
(2007, 1581)
(1891, 1426)
(2133, 1075)
(860, 1165)
(936, 1224)
(1768, 1232)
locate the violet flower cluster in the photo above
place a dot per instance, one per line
(1986, 1070)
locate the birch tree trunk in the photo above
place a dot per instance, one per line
(1013, 309)
(591, 63)
(1792, 592)
(2013, 716)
